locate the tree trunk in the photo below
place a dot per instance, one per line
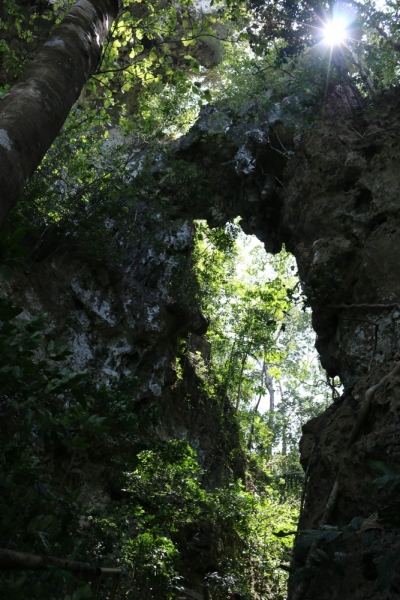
(284, 440)
(269, 382)
(226, 383)
(255, 409)
(241, 379)
(284, 429)
(33, 112)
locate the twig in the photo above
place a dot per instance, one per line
(279, 139)
(363, 73)
(383, 33)
(278, 180)
(331, 385)
(355, 131)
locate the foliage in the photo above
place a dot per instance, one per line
(51, 414)
(389, 476)
(260, 569)
(333, 548)
(376, 565)
(141, 49)
(45, 412)
(254, 324)
(258, 334)
(56, 415)
(99, 191)
(243, 318)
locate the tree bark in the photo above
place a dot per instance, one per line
(9, 559)
(241, 379)
(269, 382)
(255, 409)
(35, 109)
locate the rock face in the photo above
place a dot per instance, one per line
(332, 197)
(120, 320)
(341, 220)
(116, 317)
(343, 196)
(333, 200)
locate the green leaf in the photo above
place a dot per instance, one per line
(390, 475)
(320, 556)
(310, 536)
(357, 522)
(16, 372)
(383, 468)
(153, 55)
(15, 237)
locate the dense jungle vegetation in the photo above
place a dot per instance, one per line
(97, 188)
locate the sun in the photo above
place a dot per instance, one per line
(334, 32)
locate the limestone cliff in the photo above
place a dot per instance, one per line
(341, 220)
(120, 319)
(332, 197)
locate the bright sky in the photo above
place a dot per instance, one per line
(246, 244)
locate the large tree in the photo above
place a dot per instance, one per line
(35, 109)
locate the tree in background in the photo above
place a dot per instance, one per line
(154, 44)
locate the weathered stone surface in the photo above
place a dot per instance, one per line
(333, 199)
(335, 205)
(341, 220)
(119, 319)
